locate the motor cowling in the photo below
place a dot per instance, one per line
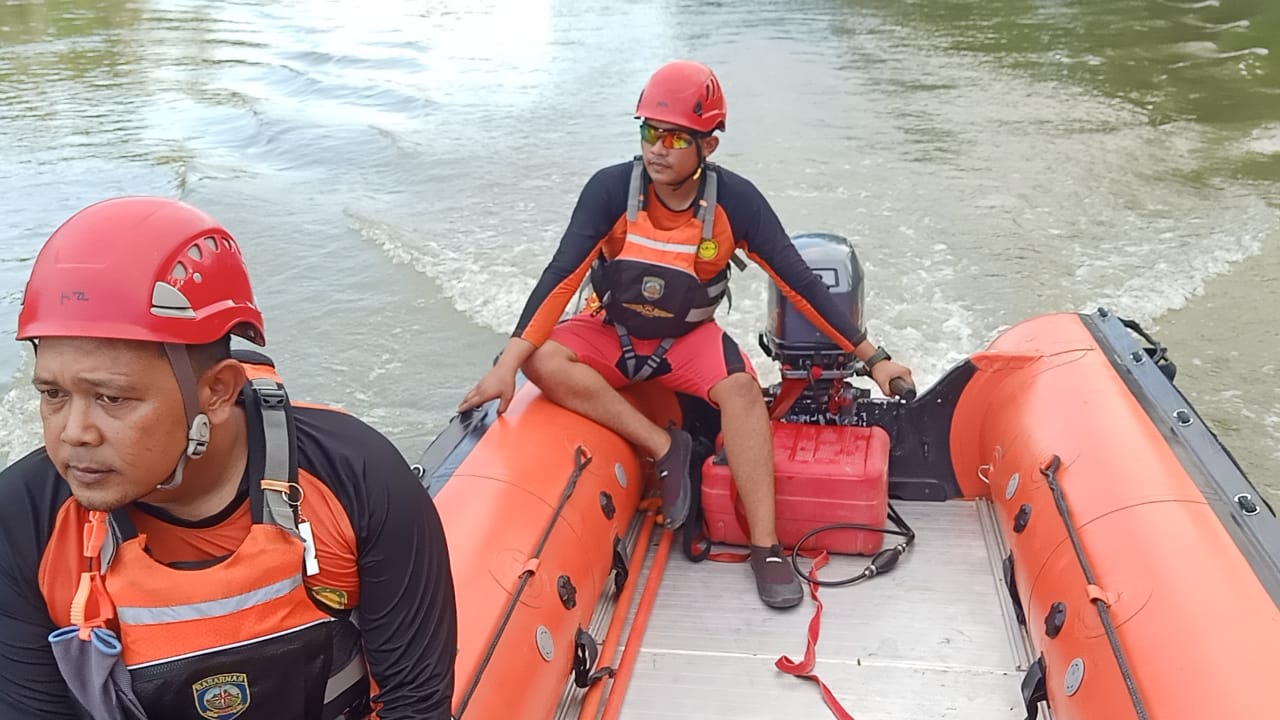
(796, 344)
(832, 258)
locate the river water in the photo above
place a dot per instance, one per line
(399, 172)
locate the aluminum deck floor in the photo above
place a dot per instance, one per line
(934, 638)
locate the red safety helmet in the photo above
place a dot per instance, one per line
(140, 268)
(684, 93)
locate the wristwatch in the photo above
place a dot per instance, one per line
(877, 356)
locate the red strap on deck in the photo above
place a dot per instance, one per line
(804, 668)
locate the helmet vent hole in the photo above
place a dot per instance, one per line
(212, 242)
(196, 276)
(231, 245)
(179, 271)
(195, 252)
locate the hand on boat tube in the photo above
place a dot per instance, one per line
(500, 381)
(894, 379)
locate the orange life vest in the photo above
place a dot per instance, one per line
(240, 636)
(650, 289)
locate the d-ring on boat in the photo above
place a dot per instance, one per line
(1077, 545)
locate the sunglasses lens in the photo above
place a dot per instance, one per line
(672, 139)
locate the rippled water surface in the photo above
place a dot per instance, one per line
(399, 172)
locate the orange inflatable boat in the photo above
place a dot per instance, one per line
(1074, 543)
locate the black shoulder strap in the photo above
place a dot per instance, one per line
(270, 414)
(637, 188)
(278, 495)
(707, 198)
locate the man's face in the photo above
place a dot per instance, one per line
(114, 423)
(669, 166)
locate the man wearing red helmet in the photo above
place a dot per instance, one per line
(657, 235)
(188, 542)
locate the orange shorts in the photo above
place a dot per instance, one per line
(693, 364)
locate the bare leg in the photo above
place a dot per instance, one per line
(574, 385)
(748, 445)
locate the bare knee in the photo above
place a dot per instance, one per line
(739, 391)
(548, 362)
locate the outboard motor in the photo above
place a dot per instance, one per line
(802, 350)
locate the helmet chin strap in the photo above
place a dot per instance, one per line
(198, 429)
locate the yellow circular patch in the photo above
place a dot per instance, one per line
(708, 249)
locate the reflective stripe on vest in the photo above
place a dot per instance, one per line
(679, 250)
(207, 608)
(165, 613)
(651, 286)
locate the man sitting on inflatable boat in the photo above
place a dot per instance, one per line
(657, 235)
(188, 543)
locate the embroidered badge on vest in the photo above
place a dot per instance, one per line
(652, 287)
(707, 249)
(222, 697)
(647, 310)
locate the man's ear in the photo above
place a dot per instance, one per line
(220, 386)
(709, 145)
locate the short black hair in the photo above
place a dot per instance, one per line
(207, 355)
